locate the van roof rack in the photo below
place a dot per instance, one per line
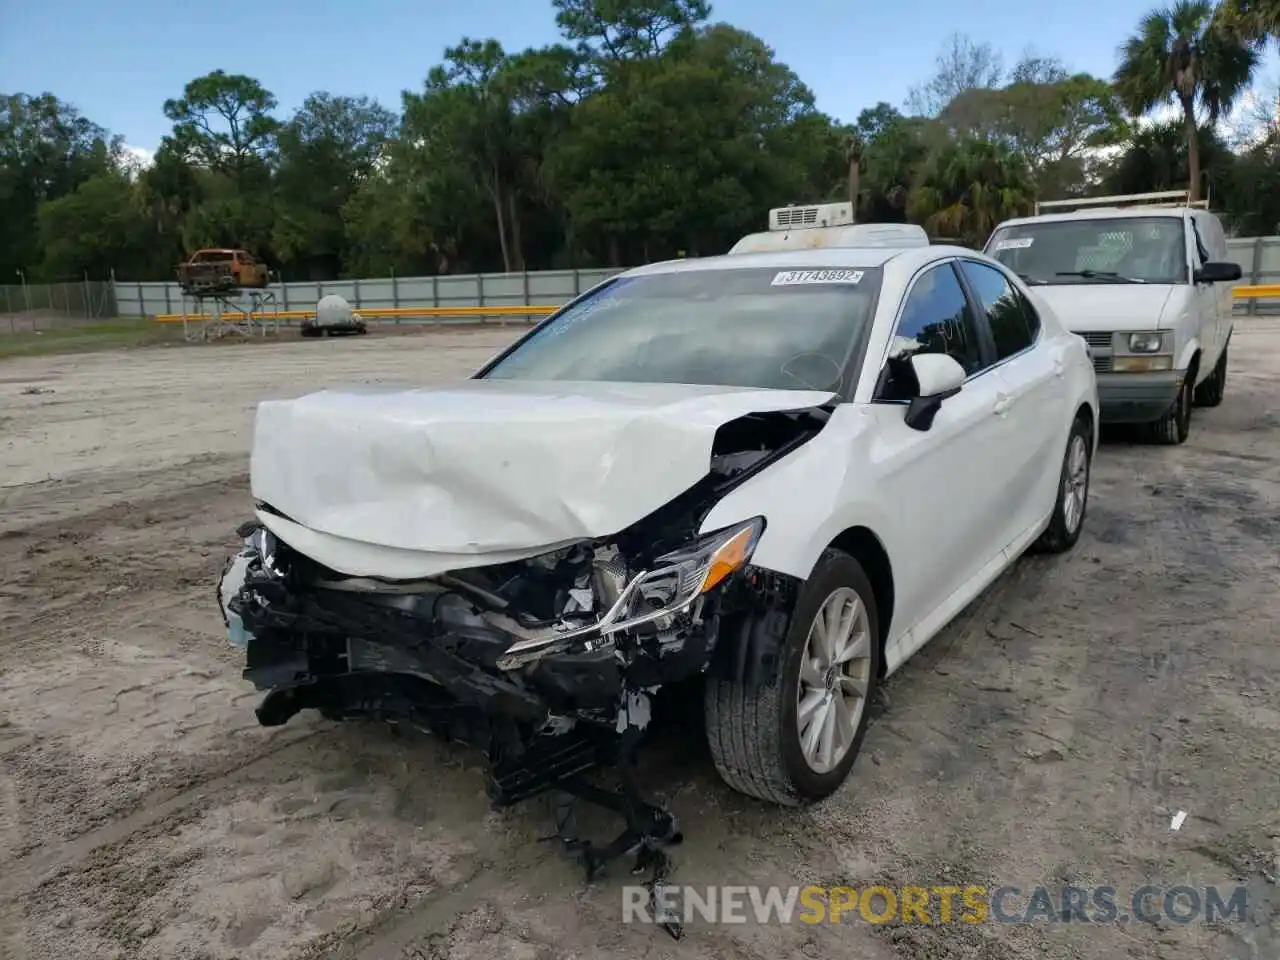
(1160, 198)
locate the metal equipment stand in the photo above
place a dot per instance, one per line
(228, 316)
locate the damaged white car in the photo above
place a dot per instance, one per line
(767, 478)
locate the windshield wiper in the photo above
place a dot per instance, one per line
(1031, 281)
(1109, 275)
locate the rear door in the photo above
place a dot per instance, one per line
(1032, 375)
(944, 492)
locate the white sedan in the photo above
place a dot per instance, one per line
(774, 475)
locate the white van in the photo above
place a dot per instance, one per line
(822, 226)
(1145, 279)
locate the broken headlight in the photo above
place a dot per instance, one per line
(681, 577)
(654, 596)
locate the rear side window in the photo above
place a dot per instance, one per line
(1006, 311)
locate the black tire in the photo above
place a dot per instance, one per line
(1175, 426)
(1061, 535)
(751, 727)
(1210, 393)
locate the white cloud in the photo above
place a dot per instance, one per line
(140, 156)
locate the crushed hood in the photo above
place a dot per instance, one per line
(484, 470)
(1090, 307)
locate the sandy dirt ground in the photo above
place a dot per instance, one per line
(1046, 737)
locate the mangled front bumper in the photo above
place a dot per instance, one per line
(411, 651)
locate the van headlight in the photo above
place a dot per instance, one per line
(1146, 342)
(679, 578)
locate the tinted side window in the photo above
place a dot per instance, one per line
(1006, 315)
(935, 319)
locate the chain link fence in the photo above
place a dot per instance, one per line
(45, 306)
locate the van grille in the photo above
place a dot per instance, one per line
(1097, 339)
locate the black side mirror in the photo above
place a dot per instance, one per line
(1219, 271)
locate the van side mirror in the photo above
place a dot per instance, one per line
(1219, 271)
(938, 376)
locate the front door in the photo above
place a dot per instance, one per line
(945, 493)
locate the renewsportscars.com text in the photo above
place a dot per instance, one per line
(933, 905)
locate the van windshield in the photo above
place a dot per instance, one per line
(749, 327)
(1095, 250)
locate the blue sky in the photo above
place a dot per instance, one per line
(118, 62)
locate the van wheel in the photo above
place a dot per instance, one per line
(792, 738)
(1175, 425)
(1209, 393)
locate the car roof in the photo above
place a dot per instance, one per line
(1099, 213)
(832, 257)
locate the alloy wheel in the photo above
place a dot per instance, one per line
(1076, 489)
(835, 673)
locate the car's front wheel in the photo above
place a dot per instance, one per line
(792, 738)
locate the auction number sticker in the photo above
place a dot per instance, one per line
(788, 278)
(1018, 243)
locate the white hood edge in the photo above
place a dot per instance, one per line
(1089, 307)
(357, 559)
(412, 483)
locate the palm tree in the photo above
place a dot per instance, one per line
(1253, 20)
(1183, 54)
(968, 187)
(853, 156)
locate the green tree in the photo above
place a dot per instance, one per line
(1052, 119)
(223, 122)
(1180, 54)
(894, 151)
(617, 30)
(464, 120)
(47, 150)
(968, 187)
(167, 191)
(326, 151)
(686, 151)
(94, 229)
(1252, 199)
(223, 127)
(1253, 21)
(1156, 158)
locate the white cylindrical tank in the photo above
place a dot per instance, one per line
(333, 311)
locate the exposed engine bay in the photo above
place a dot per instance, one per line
(546, 664)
